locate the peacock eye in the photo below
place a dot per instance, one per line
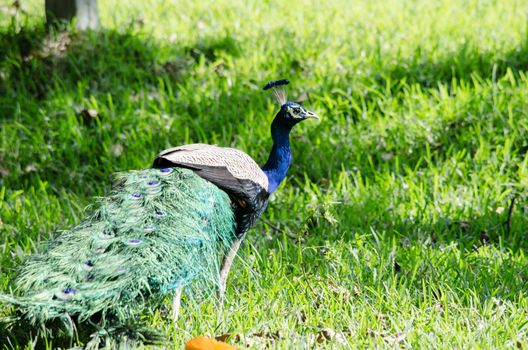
(296, 110)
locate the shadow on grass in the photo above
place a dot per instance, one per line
(464, 64)
(125, 67)
(38, 62)
(35, 62)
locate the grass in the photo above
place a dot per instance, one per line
(393, 228)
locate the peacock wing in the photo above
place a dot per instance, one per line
(230, 169)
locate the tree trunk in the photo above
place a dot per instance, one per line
(85, 11)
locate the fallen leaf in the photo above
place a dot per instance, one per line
(30, 168)
(387, 156)
(499, 210)
(373, 333)
(153, 95)
(223, 337)
(439, 307)
(464, 226)
(270, 335)
(54, 45)
(88, 115)
(397, 267)
(394, 338)
(117, 149)
(140, 21)
(249, 340)
(301, 316)
(173, 37)
(341, 291)
(391, 338)
(327, 334)
(484, 237)
(9, 10)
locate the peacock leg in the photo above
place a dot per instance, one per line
(226, 266)
(176, 301)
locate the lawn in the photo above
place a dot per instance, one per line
(403, 220)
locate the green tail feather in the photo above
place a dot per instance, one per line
(158, 230)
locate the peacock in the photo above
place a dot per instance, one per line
(174, 227)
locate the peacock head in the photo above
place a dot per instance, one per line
(290, 113)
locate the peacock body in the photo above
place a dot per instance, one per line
(177, 225)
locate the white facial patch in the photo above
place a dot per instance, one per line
(296, 112)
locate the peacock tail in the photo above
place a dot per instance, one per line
(158, 230)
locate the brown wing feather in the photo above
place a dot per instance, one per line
(228, 168)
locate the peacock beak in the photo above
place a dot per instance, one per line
(310, 115)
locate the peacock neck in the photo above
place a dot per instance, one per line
(280, 157)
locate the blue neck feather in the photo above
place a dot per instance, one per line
(280, 157)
